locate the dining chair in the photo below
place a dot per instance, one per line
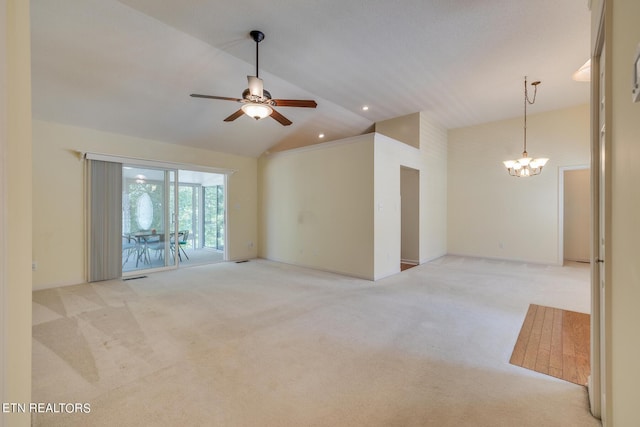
(183, 237)
(155, 242)
(129, 246)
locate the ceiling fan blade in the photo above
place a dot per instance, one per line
(256, 86)
(224, 98)
(280, 118)
(234, 116)
(295, 103)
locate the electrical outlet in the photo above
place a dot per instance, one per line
(34, 265)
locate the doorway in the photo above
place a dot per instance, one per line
(172, 218)
(409, 217)
(575, 202)
(202, 217)
(148, 229)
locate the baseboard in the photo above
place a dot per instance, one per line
(514, 260)
(326, 270)
(44, 286)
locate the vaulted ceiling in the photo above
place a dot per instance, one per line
(129, 66)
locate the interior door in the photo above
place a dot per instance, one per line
(602, 227)
(597, 380)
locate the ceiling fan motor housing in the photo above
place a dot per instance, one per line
(266, 96)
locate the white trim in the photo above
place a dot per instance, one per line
(351, 140)
(487, 257)
(153, 163)
(561, 171)
(225, 255)
(325, 270)
(399, 144)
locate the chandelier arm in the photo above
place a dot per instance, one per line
(535, 92)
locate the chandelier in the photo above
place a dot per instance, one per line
(526, 166)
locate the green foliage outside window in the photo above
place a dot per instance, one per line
(214, 217)
(135, 190)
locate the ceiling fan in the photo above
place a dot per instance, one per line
(257, 101)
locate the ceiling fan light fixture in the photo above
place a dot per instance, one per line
(257, 111)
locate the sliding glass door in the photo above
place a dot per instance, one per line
(214, 214)
(148, 218)
(145, 215)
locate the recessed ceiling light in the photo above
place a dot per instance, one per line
(365, 107)
(321, 135)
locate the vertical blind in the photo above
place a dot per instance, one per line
(105, 220)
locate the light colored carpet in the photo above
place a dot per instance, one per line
(268, 344)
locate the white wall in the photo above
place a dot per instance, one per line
(15, 208)
(316, 206)
(577, 218)
(434, 184)
(389, 156)
(430, 159)
(623, 126)
(492, 214)
(58, 195)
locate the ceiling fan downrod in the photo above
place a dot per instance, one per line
(257, 36)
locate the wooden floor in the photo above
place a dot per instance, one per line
(405, 266)
(554, 342)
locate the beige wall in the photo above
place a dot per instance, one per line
(577, 218)
(16, 209)
(404, 129)
(494, 215)
(360, 178)
(58, 195)
(316, 206)
(623, 126)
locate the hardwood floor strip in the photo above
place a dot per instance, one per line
(555, 359)
(531, 355)
(517, 357)
(578, 325)
(405, 266)
(554, 342)
(544, 350)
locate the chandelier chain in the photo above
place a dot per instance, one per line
(528, 101)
